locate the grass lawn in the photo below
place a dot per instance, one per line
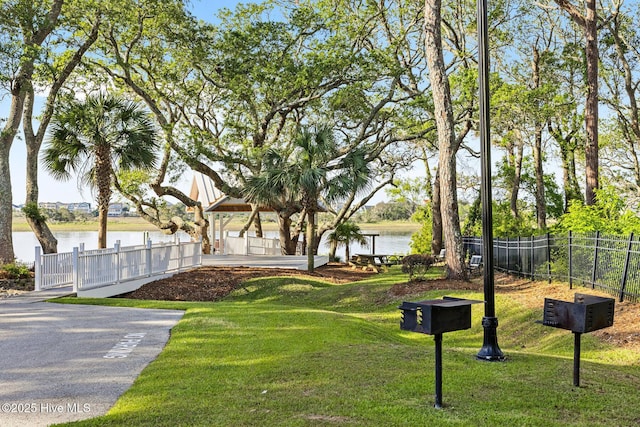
(300, 352)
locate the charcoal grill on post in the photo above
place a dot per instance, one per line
(586, 314)
(434, 317)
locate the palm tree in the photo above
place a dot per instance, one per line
(96, 138)
(344, 234)
(314, 168)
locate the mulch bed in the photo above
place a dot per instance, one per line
(214, 283)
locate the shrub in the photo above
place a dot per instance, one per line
(417, 265)
(16, 271)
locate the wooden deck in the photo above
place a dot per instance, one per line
(264, 261)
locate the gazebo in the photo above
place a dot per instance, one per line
(204, 190)
(268, 251)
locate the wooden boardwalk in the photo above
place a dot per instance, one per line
(264, 261)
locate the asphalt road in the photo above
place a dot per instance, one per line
(70, 362)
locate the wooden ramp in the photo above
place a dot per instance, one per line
(263, 261)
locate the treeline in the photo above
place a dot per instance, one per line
(312, 107)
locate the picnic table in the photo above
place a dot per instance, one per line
(375, 262)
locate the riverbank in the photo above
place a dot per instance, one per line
(138, 224)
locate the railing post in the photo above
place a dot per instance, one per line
(570, 253)
(75, 260)
(37, 266)
(148, 259)
(116, 249)
(595, 260)
(626, 268)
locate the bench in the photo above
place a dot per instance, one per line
(475, 264)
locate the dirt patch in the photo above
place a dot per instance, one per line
(12, 287)
(624, 333)
(214, 283)
(419, 287)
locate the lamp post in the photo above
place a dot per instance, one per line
(490, 350)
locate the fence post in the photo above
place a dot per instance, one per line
(246, 243)
(520, 263)
(179, 255)
(75, 274)
(37, 266)
(496, 252)
(549, 257)
(595, 260)
(116, 249)
(81, 247)
(148, 258)
(508, 246)
(532, 260)
(570, 260)
(626, 268)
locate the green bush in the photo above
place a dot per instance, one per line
(421, 239)
(16, 271)
(417, 265)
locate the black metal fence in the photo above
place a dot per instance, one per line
(610, 263)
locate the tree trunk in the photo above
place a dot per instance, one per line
(447, 145)
(568, 147)
(257, 225)
(311, 231)
(287, 245)
(589, 24)
(6, 205)
(202, 225)
(333, 247)
(103, 176)
(436, 217)
(541, 206)
(103, 214)
(591, 105)
(570, 179)
(7, 135)
(38, 224)
(517, 176)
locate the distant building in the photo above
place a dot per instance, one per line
(116, 209)
(54, 206)
(82, 207)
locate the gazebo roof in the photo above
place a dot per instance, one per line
(204, 190)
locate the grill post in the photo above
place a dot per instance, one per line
(438, 340)
(576, 358)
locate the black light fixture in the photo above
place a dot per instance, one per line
(490, 350)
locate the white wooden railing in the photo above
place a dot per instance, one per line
(248, 245)
(97, 268)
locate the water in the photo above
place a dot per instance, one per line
(24, 242)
